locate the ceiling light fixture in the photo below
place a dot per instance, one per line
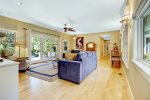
(125, 19)
(6, 13)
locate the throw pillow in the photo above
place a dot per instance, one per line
(70, 56)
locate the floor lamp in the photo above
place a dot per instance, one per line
(19, 45)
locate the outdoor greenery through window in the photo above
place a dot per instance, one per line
(7, 41)
(35, 47)
(146, 36)
(44, 46)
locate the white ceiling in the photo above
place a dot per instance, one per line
(86, 16)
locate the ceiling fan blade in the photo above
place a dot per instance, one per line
(71, 29)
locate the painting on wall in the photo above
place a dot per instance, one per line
(79, 42)
(7, 40)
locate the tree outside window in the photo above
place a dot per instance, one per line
(146, 36)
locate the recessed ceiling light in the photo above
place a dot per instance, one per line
(20, 3)
(3, 12)
(6, 13)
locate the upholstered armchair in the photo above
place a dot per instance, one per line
(22, 63)
(7, 54)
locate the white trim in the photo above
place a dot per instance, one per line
(143, 68)
(3, 29)
(126, 63)
(130, 90)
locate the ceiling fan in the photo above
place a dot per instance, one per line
(66, 29)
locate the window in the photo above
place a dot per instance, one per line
(43, 46)
(141, 39)
(124, 31)
(65, 45)
(35, 51)
(7, 40)
(142, 33)
(146, 36)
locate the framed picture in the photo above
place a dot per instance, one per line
(79, 42)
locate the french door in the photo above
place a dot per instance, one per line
(44, 46)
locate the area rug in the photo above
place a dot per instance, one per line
(44, 71)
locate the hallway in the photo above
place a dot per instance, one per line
(103, 84)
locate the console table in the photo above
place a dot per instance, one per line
(8, 80)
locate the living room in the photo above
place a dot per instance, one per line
(74, 49)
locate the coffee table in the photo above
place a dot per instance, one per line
(55, 60)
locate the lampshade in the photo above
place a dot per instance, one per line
(90, 45)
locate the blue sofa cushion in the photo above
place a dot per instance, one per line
(80, 56)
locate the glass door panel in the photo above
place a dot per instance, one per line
(35, 48)
(46, 49)
(54, 48)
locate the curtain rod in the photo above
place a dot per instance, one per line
(41, 32)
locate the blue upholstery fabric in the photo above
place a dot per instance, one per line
(78, 70)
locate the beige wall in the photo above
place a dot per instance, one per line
(12, 24)
(95, 37)
(138, 84)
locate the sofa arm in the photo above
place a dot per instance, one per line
(70, 70)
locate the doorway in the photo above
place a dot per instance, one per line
(105, 44)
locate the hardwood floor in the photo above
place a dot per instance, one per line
(103, 84)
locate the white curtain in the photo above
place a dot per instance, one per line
(28, 43)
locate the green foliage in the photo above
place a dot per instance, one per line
(49, 46)
(7, 42)
(35, 46)
(147, 56)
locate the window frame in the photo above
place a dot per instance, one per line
(125, 44)
(138, 47)
(140, 34)
(144, 40)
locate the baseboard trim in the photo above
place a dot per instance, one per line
(131, 94)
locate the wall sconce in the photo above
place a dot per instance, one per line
(125, 19)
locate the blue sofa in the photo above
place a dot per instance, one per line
(76, 71)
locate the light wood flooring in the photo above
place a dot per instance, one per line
(103, 84)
